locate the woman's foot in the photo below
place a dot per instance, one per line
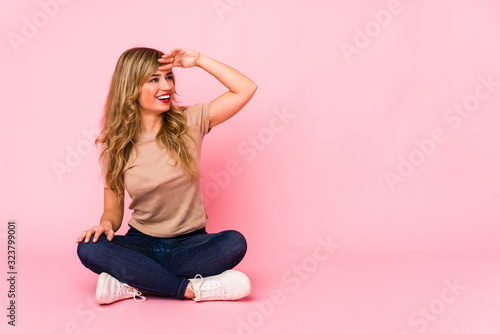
(110, 290)
(230, 285)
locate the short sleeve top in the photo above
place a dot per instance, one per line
(165, 202)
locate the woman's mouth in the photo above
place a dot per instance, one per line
(165, 98)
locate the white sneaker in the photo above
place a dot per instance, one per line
(230, 285)
(110, 290)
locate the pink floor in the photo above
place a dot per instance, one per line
(312, 291)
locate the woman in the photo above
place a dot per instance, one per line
(151, 147)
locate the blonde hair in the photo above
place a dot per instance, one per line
(121, 121)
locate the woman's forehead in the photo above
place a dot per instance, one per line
(162, 72)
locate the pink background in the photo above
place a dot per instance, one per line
(318, 174)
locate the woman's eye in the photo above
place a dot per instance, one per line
(170, 77)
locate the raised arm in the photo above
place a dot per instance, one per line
(240, 88)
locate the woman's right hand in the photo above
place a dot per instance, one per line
(104, 228)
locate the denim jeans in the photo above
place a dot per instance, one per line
(163, 265)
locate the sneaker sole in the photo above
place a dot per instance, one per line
(100, 288)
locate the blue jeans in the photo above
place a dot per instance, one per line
(163, 265)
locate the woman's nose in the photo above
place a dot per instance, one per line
(164, 85)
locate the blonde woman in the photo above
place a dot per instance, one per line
(151, 147)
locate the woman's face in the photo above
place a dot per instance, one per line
(156, 93)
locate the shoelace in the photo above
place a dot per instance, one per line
(212, 291)
(124, 288)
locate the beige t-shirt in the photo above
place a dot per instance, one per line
(164, 200)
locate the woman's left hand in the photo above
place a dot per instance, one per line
(179, 58)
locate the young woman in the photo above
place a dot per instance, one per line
(151, 147)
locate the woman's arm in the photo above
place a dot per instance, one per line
(113, 210)
(111, 219)
(241, 88)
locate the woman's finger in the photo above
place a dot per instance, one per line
(174, 51)
(97, 234)
(110, 234)
(87, 235)
(80, 238)
(91, 231)
(165, 67)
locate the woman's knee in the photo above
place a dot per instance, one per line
(86, 251)
(237, 242)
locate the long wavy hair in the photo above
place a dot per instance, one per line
(121, 121)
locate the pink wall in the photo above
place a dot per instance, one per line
(357, 106)
(376, 121)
